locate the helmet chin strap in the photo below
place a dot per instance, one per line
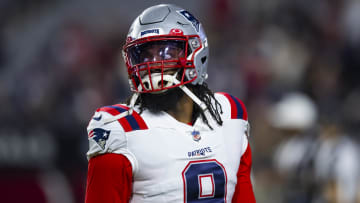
(201, 104)
(135, 96)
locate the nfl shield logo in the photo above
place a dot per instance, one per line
(196, 135)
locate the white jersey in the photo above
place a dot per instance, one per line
(173, 161)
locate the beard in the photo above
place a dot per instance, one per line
(166, 101)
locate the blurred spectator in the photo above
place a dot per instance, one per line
(314, 166)
(336, 164)
(295, 116)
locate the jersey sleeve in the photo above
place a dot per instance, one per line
(109, 179)
(243, 190)
(234, 109)
(107, 132)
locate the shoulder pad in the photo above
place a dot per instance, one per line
(109, 137)
(237, 107)
(130, 122)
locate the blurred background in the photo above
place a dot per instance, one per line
(295, 64)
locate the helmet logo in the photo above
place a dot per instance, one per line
(195, 23)
(176, 32)
(152, 31)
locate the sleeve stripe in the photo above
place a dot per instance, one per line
(243, 109)
(123, 121)
(237, 107)
(130, 119)
(130, 122)
(240, 108)
(141, 123)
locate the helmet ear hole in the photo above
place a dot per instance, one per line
(203, 59)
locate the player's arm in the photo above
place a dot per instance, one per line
(236, 110)
(111, 165)
(109, 179)
(243, 191)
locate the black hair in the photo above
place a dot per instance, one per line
(207, 96)
(166, 101)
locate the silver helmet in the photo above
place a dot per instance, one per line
(166, 47)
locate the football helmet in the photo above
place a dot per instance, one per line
(166, 47)
(295, 110)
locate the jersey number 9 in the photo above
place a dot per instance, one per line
(204, 181)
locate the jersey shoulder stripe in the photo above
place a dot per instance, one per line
(134, 119)
(129, 123)
(238, 110)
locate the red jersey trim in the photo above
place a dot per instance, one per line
(109, 179)
(243, 190)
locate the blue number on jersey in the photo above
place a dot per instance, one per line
(204, 181)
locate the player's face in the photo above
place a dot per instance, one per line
(161, 52)
(157, 56)
(157, 51)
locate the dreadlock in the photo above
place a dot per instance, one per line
(206, 96)
(156, 103)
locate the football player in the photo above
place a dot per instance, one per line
(174, 140)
